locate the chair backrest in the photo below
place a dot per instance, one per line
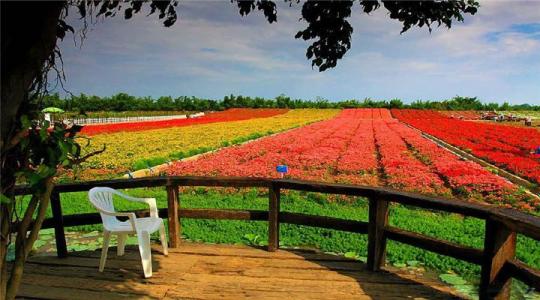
(102, 199)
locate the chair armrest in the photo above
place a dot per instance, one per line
(132, 217)
(153, 206)
(150, 201)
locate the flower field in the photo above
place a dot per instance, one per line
(362, 146)
(462, 114)
(235, 114)
(507, 147)
(149, 147)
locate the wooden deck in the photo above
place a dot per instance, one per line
(203, 271)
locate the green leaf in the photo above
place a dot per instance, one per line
(47, 231)
(400, 265)
(351, 254)
(43, 133)
(63, 148)
(249, 236)
(78, 247)
(4, 199)
(90, 234)
(252, 238)
(34, 179)
(412, 263)
(466, 289)
(25, 122)
(39, 243)
(45, 237)
(362, 259)
(452, 279)
(132, 240)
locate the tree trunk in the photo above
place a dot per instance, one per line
(27, 234)
(5, 211)
(28, 39)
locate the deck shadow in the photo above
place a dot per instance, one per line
(377, 284)
(205, 271)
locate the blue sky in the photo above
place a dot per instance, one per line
(212, 51)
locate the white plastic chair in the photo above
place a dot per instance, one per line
(102, 199)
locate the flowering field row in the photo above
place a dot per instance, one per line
(465, 178)
(126, 148)
(234, 114)
(361, 146)
(462, 114)
(506, 147)
(402, 169)
(311, 152)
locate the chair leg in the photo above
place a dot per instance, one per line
(146, 252)
(121, 244)
(163, 238)
(106, 237)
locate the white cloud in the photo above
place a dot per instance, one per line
(482, 57)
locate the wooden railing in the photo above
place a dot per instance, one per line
(497, 258)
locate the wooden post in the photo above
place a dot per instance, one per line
(273, 218)
(378, 219)
(173, 203)
(499, 246)
(59, 234)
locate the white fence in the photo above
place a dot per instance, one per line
(86, 121)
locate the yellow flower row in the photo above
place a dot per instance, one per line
(124, 149)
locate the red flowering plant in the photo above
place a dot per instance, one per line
(505, 146)
(467, 179)
(365, 147)
(234, 114)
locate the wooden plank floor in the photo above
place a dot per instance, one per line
(203, 271)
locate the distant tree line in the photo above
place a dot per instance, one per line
(124, 102)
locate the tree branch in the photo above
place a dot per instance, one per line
(77, 161)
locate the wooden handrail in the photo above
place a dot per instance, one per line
(454, 250)
(496, 259)
(447, 205)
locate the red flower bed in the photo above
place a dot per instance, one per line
(507, 147)
(403, 170)
(234, 114)
(462, 114)
(360, 146)
(467, 179)
(313, 152)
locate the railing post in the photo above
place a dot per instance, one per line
(273, 218)
(499, 246)
(59, 234)
(378, 219)
(173, 204)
